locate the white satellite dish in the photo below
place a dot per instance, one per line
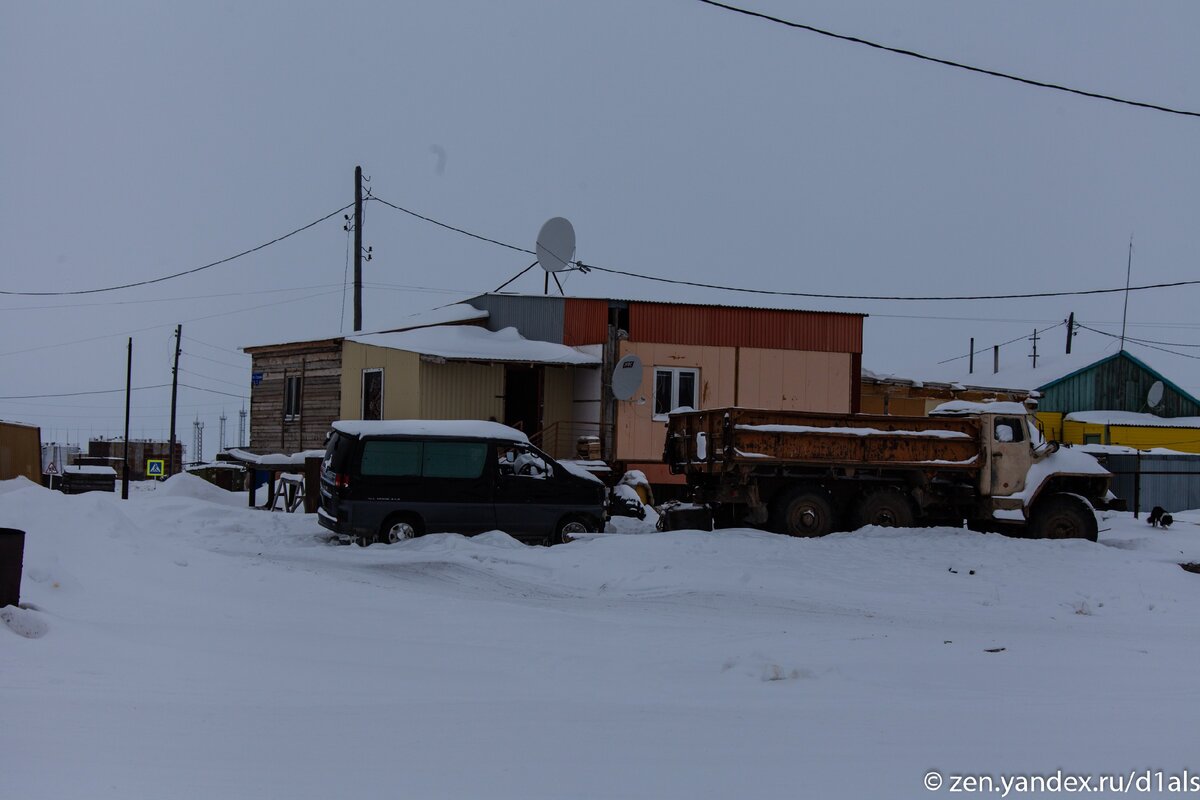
(627, 377)
(556, 245)
(1155, 396)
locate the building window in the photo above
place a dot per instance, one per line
(674, 388)
(372, 394)
(291, 399)
(1091, 438)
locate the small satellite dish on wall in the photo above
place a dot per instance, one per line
(627, 377)
(556, 245)
(1154, 397)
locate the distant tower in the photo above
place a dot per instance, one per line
(221, 435)
(198, 440)
(242, 427)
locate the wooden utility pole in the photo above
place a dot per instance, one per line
(358, 251)
(128, 391)
(174, 398)
(1070, 331)
(971, 359)
(1034, 339)
(995, 359)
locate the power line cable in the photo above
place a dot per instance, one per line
(826, 296)
(450, 227)
(190, 354)
(189, 297)
(581, 267)
(211, 378)
(948, 63)
(1140, 343)
(167, 324)
(1002, 344)
(214, 391)
(80, 394)
(191, 271)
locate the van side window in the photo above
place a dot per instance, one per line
(454, 459)
(393, 459)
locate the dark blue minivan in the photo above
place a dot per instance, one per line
(383, 481)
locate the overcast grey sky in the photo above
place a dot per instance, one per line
(140, 139)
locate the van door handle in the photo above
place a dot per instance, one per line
(997, 455)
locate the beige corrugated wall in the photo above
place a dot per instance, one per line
(461, 390)
(401, 380)
(800, 380)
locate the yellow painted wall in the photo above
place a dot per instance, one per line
(748, 377)
(461, 390)
(401, 376)
(1185, 440)
(1052, 424)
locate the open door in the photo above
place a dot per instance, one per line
(523, 398)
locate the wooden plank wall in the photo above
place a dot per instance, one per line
(319, 364)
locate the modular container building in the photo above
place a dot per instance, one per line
(20, 451)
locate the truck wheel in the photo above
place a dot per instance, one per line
(1061, 516)
(887, 508)
(804, 512)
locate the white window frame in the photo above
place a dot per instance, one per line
(362, 392)
(287, 396)
(674, 399)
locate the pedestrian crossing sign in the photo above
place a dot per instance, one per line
(154, 467)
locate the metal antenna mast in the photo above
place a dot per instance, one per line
(1128, 271)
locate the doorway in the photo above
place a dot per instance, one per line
(523, 398)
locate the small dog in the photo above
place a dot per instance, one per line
(1159, 518)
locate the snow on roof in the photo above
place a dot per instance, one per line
(447, 428)
(955, 407)
(471, 343)
(454, 313)
(76, 469)
(1131, 418)
(1125, 450)
(273, 459)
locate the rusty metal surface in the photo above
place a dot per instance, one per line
(719, 326)
(727, 443)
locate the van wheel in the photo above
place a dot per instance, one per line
(568, 528)
(1062, 516)
(398, 528)
(887, 508)
(806, 512)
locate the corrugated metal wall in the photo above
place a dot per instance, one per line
(461, 390)
(745, 327)
(1174, 492)
(586, 321)
(536, 317)
(1117, 384)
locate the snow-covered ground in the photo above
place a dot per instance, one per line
(179, 645)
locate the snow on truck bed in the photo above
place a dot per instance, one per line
(179, 647)
(933, 433)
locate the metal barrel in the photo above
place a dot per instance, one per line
(12, 552)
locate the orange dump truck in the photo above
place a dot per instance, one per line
(808, 474)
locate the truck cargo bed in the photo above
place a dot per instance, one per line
(722, 439)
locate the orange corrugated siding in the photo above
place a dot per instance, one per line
(585, 321)
(745, 327)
